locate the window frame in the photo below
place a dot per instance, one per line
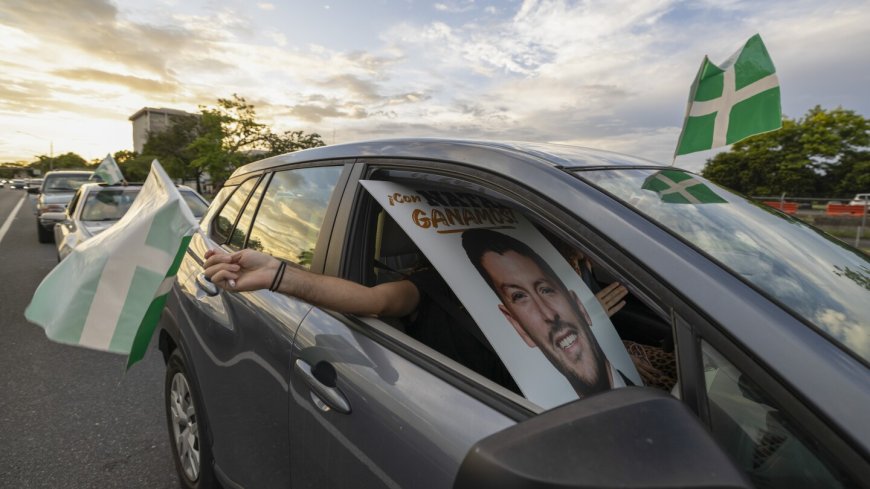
(351, 229)
(213, 225)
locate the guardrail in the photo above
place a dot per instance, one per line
(787, 207)
(845, 209)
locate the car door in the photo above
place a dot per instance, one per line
(370, 406)
(239, 343)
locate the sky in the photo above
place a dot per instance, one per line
(607, 74)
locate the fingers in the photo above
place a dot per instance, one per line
(212, 272)
(611, 298)
(224, 278)
(214, 257)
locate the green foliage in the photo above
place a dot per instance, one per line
(824, 154)
(66, 161)
(217, 140)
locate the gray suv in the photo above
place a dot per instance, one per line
(58, 188)
(766, 317)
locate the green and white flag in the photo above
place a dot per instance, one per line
(109, 171)
(679, 187)
(733, 101)
(109, 292)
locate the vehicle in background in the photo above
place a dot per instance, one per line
(97, 206)
(55, 193)
(860, 199)
(17, 183)
(32, 185)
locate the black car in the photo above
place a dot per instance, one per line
(766, 318)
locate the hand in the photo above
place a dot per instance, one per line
(611, 297)
(240, 271)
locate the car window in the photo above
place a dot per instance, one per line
(644, 335)
(761, 246)
(759, 436)
(108, 204)
(196, 204)
(223, 224)
(240, 232)
(71, 208)
(65, 182)
(288, 223)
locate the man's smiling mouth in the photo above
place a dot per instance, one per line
(567, 341)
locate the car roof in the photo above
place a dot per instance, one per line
(470, 152)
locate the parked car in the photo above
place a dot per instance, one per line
(860, 199)
(55, 194)
(96, 206)
(768, 318)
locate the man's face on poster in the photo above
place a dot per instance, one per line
(546, 315)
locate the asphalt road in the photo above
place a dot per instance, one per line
(69, 417)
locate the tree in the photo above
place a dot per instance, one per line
(230, 136)
(67, 161)
(824, 154)
(290, 141)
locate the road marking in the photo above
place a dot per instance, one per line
(8, 223)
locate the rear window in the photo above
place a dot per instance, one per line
(108, 204)
(65, 183)
(817, 277)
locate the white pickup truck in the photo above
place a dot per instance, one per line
(860, 199)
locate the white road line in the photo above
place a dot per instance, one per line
(8, 223)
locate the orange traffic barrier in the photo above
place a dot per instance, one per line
(840, 209)
(787, 207)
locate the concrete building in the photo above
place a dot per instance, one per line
(148, 119)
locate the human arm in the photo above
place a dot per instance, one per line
(253, 270)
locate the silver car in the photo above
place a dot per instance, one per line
(55, 194)
(767, 316)
(95, 207)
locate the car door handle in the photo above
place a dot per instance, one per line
(323, 387)
(206, 285)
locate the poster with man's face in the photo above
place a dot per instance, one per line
(545, 324)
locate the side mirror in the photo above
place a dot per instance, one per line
(634, 437)
(32, 190)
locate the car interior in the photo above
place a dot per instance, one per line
(647, 337)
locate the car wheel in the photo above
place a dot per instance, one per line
(43, 235)
(188, 433)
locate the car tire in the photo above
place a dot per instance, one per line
(188, 433)
(43, 235)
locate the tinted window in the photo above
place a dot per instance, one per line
(237, 240)
(223, 224)
(819, 278)
(288, 222)
(773, 451)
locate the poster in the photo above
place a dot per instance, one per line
(540, 317)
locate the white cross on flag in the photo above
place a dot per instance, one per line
(733, 101)
(109, 292)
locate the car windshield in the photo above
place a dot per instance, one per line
(65, 183)
(814, 275)
(108, 204)
(196, 204)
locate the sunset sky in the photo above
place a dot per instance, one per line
(610, 74)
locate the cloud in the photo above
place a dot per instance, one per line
(266, 6)
(132, 82)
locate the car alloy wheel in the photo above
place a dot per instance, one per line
(185, 429)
